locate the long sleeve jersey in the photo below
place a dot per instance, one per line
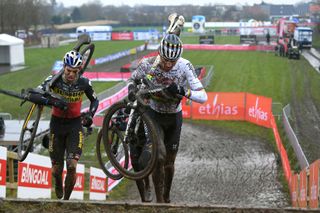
(182, 73)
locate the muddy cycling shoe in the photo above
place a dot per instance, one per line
(166, 197)
(59, 189)
(167, 200)
(148, 195)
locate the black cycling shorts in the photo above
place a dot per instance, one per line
(66, 136)
(171, 125)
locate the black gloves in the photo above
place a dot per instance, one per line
(132, 89)
(86, 119)
(42, 100)
(174, 89)
(58, 103)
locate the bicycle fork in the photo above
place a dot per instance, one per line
(130, 127)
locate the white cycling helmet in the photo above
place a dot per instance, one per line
(72, 59)
(170, 47)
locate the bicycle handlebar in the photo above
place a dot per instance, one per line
(37, 96)
(144, 93)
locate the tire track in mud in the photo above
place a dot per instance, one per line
(306, 118)
(213, 168)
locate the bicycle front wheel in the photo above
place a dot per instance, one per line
(104, 162)
(117, 116)
(28, 131)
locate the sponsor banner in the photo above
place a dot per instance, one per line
(281, 150)
(107, 76)
(98, 184)
(314, 184)
(220, 106)
(34, 177)
(101, 36)
(258, 110)
(186, 108)
(302, 198)
(112, 183)
(294, 190)
(122, 35)
(57, 66)
(112, 57)
(78, 190)
(107, 102)
(3, 171)
(227, 47)
(142, 36)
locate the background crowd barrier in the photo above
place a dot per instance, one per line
(303, 162)
(34, 180)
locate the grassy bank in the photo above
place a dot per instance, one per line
(39, 62)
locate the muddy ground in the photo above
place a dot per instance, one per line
(305, 111)
(214, 166)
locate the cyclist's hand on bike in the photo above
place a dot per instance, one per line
(132, 90)
(58, 103)
(86, 119)
(175, 90)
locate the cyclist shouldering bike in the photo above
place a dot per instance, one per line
(167, 69)
(66, 131)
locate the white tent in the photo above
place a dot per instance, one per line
(11, 50)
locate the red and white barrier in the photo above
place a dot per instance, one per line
(34, 177)
(3, 171)
(313, 186)
(228, 47)
(78, 190)
(107, 102)
(112, 183)
(107, 76)
(98, 186)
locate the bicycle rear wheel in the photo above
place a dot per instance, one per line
(119, 113)
(104, 162)
(86, 53)
(28, 131)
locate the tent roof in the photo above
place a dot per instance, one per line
(6, 40)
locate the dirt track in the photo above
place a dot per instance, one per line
(214, 167)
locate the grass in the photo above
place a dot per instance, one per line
(39, 62)
(255, 72)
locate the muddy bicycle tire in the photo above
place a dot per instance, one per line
(103, 162)
(86, 53)
(29, 126)
(153, 137)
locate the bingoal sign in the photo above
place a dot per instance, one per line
(3, 171)
(78, 190)
(98, 184)
(34, 177)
